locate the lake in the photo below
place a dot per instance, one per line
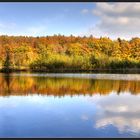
(69, 105)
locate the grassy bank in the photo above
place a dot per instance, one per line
(123, 71)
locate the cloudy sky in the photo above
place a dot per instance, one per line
(99, 19)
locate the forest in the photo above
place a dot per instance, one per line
(68, 53)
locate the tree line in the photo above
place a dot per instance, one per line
(61, 52)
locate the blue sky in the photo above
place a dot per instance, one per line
(44, 18)
(99, 19)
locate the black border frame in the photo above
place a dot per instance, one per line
(70, 1)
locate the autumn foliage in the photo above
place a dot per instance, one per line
(68, 53)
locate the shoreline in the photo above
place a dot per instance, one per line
(123, 71)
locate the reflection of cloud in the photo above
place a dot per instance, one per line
(35, 99)
(121, 123)
(123, 112)
(84, 117)
(117, 109)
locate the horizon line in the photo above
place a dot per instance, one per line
(82, 36)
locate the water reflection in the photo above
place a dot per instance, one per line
(25, 85)
(30, 106)
(121, 111)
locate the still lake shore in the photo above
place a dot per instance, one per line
(123, 71)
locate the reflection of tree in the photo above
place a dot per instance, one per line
(65, 86)
(6, 80)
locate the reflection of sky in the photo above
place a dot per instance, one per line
(121, 111)
(40, 116)
(83, 75)
(97, 116)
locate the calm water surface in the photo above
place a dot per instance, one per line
(69, 105)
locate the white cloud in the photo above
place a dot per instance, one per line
(117, 20)
(117, 9)
(84, 11)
